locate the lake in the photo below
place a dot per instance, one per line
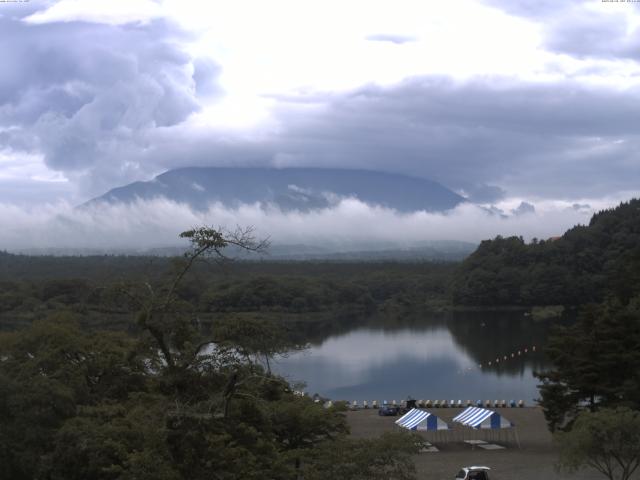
(461, 356)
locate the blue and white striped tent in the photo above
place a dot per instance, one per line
(476, 417)
(416, 419)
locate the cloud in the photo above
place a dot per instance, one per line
(530, 8)
(106, 96)
(205, 76)
(488, 138)
(391, 38)
(589, 33)
(525, 208)
(349, 224)
(118, 12)
(582, 29)
(581, 206)
(85, 96)
(547, 140)
(482, 193)
(106, 105)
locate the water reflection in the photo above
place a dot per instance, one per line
(429, 358)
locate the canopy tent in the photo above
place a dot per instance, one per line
(491, 422)
(416, 419)
(476, 417)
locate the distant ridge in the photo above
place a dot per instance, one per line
(301, 189)
(431, 251)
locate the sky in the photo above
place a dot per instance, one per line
(503, 101)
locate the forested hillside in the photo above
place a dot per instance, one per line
(583, 265)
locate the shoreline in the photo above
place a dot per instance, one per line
(533, 461)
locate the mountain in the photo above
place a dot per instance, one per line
(289, 189)
(584, 265)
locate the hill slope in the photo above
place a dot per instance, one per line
(583, 265)
(288, 188)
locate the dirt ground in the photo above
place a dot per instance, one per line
(534, 460)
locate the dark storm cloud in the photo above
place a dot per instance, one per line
(391, 38)
(488, 138)
(85, 95)
(546, 139)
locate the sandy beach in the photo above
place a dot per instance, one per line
(534, 460)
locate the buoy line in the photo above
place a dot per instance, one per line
(500, 359)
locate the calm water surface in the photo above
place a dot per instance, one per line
(429, 358)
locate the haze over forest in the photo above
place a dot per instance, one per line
(528, 115)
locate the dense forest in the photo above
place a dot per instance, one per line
(306, 292)
(171, 398)
(583, 265)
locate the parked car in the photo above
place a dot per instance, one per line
(389, 410)
(473, 473)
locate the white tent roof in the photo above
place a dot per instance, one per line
(416, 419)
(476, 417)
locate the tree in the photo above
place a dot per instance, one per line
(300, 424)
(172, 400)
(256, 339)
(386, 458)
(596, 363)
(124, 440)
(159, 308)
(607, 440)
(47, 373)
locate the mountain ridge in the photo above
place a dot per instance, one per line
(302, 189)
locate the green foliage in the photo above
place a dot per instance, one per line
(255, 338)
(299, 423)
(607, 440)
(288, 294)
(298, 291)
(174, 401)
(386, 458)
(546, 312)
(114, 441)
(582, 266)
(46, 374)
(596, 363)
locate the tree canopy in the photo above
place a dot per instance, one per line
(584, 265)
(169, 401)
(607, 440)
(595, 363)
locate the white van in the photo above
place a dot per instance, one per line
(473, 473)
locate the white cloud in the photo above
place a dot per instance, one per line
(157, 223)
(113, 12)
(18, 165)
